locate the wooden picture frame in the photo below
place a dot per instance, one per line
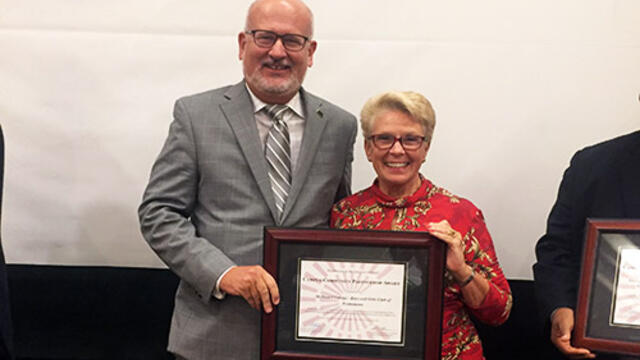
(608, 311)
(332, 284)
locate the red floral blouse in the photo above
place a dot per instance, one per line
(373, 210)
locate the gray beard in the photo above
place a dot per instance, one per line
(292, 85)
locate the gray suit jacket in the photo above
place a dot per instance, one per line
(209, 197)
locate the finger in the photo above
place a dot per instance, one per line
(251, 301)
(440, 233)
(249, 298)
(579, 351)
(562, 340)
(587, 355)
(452, 241)
(264, 296)
(254, 295)
(443, 228)
(273, 288)
(564, 345)
(450, 236)
(443, 223)
(439, 226)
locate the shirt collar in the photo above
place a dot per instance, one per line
(386, 201)
(294, 104)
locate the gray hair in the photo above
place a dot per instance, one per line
(409, 102)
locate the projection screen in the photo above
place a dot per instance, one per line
(88, 89)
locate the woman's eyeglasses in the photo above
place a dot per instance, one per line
(386, 141)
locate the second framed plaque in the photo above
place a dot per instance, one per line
(608, 313)
(349, 294)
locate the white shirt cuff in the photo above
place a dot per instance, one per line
(217, 293)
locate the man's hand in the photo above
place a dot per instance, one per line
(561, 327)
(254, 284)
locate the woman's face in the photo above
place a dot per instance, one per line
(396, 167)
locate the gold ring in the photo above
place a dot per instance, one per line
(452, 233)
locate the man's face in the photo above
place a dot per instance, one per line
(275, 74)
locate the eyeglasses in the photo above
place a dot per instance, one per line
(266, 39)
(386, 141)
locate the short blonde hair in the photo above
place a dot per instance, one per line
(409, 102)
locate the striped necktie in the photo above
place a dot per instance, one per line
(278, 155)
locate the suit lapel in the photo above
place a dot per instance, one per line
(315, 123)
(239, 113)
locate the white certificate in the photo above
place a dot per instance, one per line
(341, 301)
(627, 290)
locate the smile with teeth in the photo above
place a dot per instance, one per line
(277, 66)
(396, 164)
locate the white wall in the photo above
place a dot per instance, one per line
(87, 89)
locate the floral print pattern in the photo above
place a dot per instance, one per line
(370, 209)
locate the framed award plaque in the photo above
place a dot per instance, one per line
(351, 294)
(608, 312)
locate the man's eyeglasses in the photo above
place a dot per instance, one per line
(266, 39)
(386, 141)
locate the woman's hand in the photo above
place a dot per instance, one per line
(456, 263)
(474, 288)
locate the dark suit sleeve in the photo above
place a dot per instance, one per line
(6, 331)
(344, 188)
(558, 252)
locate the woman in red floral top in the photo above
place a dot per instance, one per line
(398, 127)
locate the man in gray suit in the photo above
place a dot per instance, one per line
(212, 191)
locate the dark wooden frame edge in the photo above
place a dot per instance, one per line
(274, 236)
(594, 227)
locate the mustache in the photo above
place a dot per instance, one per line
(276, 62)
